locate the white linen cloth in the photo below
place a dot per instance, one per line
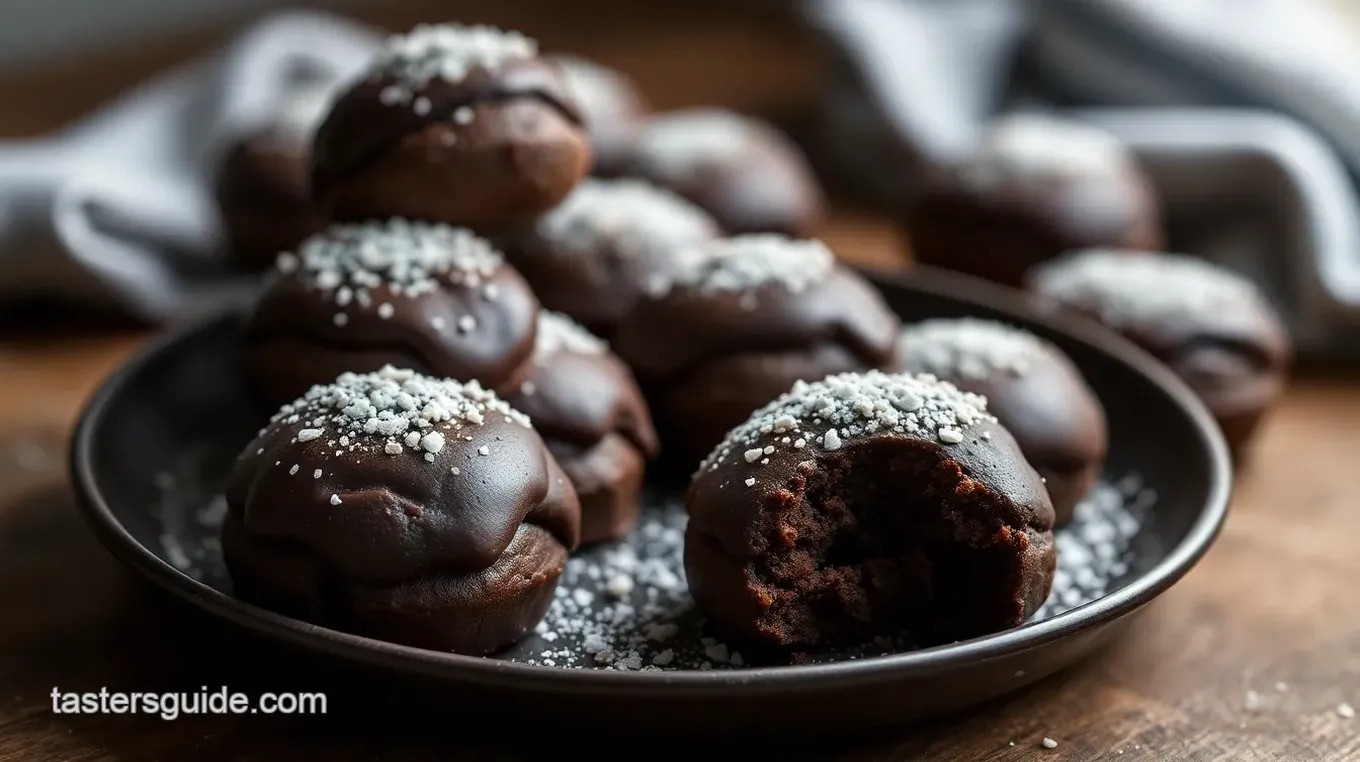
(116, 210)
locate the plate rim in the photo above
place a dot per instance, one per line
(1016, 305)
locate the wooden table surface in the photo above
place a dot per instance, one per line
(1250, 657)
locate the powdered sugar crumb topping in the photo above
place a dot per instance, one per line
(405, 258)
(447, 52)
(675, 146)
(559, 333)
(969, 348)
(655, 625)
(1126, 286)
(747, 262)
(849, 405)
(391, 411)
(626, 607)
(626, 218)
(1037, 146)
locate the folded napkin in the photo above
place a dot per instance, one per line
(1296, 57)
(116, 211)
(1234, 104)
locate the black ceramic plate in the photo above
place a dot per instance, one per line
(149, 451)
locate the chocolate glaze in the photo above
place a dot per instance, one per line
(520, 154)
(734, 528)
(760, 183)
(608, 478)
(701, 407)
(1054, 416)
(1001, 237)
(589, 409)
(665, 338)
(998, 223)
(413, 553)
(707, 360)
(612, 108)
(582, 398)
(597, 279)
(1235, 356)
(292, 340)
(263, 197)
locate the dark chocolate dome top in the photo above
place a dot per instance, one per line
(1135, 287)
(741, 264)
(392, 410)
(627, 217)
(970, 348)
(1038, 148)
(1165, 302)
(445, 52)
(686, 143)
(754, 293)
(826, 414)
(580, 391)
(409, 257)
(391, 474)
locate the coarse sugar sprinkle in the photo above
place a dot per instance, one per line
(969, 348)
(447, 52)
(626, 605)
(626, 218)
(390, 411)
(744, 263)
(1130, 287)
(559, 333)
(350, 261)
(1035, 147)
(827, 413)
(1096, 548)
(677, 146)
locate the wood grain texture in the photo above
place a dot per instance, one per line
(696, 52)
(1275, 602)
